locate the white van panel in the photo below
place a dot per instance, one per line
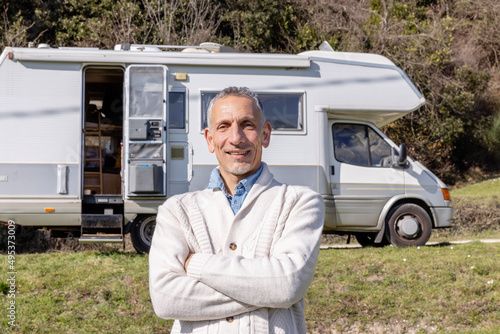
(421, 183)
(50, 132)
(40, 114)
(361, 192)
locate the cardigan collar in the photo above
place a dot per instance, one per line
(240, 191)
(262, 183)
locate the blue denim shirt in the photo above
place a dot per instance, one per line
(240, 191)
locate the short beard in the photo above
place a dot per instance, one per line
(240, 170)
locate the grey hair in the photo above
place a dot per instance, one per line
(236, 91)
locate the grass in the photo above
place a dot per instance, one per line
(486, 190)
(430, 289)
(89, 292)
(477, 212)
(400, 290)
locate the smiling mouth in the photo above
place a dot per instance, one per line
(239, 152)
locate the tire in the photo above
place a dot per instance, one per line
(408, 225)
(141, 233)
(367, 239)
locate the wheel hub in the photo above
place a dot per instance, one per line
(147, 230)
(408, 227)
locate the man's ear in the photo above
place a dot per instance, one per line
(266, 134)
(209, 139)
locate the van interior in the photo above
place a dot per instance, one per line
(103, 131)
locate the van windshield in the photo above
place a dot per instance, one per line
(360, 145)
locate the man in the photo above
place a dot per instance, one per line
(238, 256)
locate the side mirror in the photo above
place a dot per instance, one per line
(403, 155)
(400, 159)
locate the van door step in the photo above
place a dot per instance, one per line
(101, 228)
(101, 221)
(100, 238)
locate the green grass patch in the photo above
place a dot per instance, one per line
(89, 292)
(421, 290)
(476, 212)
(486, 190)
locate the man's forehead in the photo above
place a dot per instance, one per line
(235, 106)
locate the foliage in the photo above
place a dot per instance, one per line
(97, 23)
(181, 22)
(259, 25)
(13, 28)
(493, 133)
(449, 49)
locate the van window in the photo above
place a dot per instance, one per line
(285, 111)
(360, 145)
(177, 110)
(146, 92)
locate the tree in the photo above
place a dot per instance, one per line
(182, 22)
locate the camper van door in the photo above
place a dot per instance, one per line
(145, 131)
(363, 178)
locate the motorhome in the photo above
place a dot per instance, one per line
(93, 141)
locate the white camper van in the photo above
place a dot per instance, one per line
(93, 141)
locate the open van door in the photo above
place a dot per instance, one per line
(145, 152)
(364, 178)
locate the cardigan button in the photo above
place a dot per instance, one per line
(232, 246)
(230, 319)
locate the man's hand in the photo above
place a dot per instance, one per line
(187, 261)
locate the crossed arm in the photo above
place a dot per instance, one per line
(191, 286)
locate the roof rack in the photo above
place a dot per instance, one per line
(203, 47)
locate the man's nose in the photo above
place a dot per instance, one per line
(237, 135)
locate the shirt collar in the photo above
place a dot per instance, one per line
(247, 183)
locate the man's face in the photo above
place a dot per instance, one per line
(236, 136)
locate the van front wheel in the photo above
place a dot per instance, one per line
(408, 225)
(141, 233)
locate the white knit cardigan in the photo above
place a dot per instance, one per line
(250, 271)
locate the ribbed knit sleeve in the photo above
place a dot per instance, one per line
(280, 278)
(175, 295)
(197, 263)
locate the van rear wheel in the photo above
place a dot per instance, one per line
(141, 233)
(408, 225)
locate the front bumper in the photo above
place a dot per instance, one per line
(443, 216)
